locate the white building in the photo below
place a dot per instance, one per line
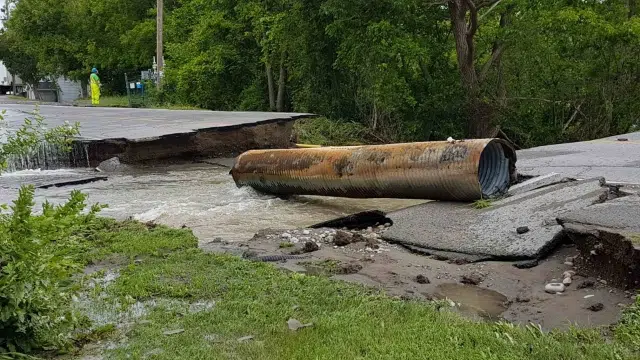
(61, 90)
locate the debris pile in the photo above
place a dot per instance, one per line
(367, 241)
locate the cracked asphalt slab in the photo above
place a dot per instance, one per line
(462, 230)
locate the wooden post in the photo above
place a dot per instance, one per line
(159, 45)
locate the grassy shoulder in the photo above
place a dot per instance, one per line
(123, 101)
(208, 306)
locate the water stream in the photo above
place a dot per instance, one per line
(203, 197)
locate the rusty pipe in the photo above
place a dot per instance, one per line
(461, 171)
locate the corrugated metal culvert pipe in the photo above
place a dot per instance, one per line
(465, 170)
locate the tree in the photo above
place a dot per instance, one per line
(465, 24)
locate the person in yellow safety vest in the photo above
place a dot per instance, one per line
(95, 87)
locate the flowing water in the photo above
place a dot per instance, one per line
(202, 197)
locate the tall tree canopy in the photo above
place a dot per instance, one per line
(539, 71)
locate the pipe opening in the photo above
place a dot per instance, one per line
(493, 170)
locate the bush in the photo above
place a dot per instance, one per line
(38, 256)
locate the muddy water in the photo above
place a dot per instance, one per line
(473, 300)
(203, 197)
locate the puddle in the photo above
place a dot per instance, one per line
(473, 300)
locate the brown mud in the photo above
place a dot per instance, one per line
(502, 291)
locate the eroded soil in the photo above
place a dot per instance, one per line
(491, 290)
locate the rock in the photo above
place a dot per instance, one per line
(568, 274)
(349, 268)
(568, 263)
(373, 244)
(554, 288)
(286, 236)
(306, 232)
(111, 165)
(310, 246)
(596, 307)
(569, 258)
(173, 332)
(526, 264)
(567, 281)
(603, 282)
(342, 238)
(387, 225)
(522, 299)
(522, 230)
(294, 324)
(472, 279)
(589, 296)
(369, 229)
(421, 279)
(586, 284)
(294, 240)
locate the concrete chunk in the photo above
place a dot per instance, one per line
(535, 183)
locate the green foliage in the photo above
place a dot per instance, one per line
(38, 255)
(32, 133)
(565, 70)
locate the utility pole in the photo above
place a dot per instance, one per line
(159, 45)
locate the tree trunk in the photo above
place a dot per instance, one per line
(478, 112)
(281, 85)
(84, 84)
(272, 88)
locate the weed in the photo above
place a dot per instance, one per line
(284, 245)
(482, 204)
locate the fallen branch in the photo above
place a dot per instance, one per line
(573, 117)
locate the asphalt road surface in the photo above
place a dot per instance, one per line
(616, 158)
(97, 123)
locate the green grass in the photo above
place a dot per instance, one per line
(106, 101)
(256, 299)
(122, 101)
(132, 239)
